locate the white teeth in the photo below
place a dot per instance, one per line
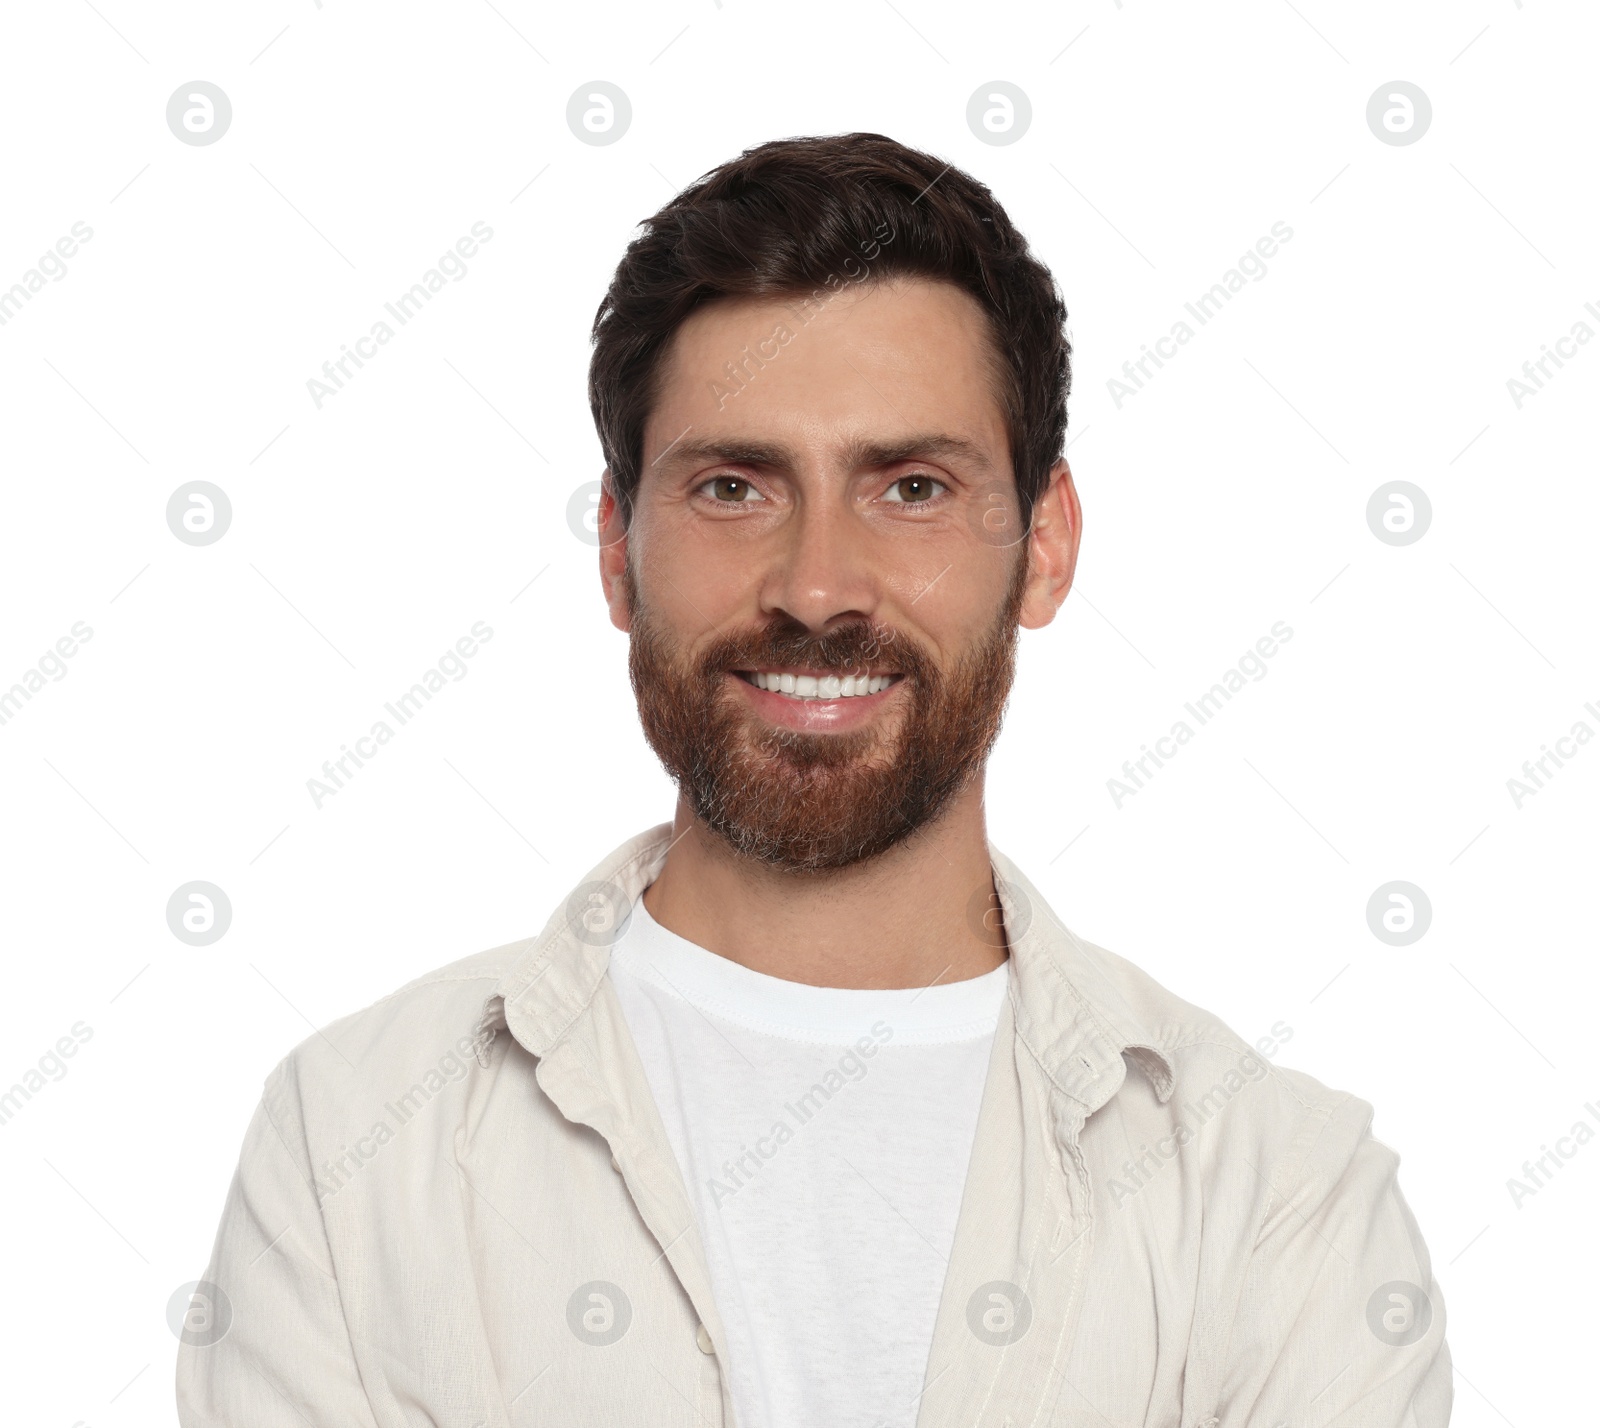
(827, 686)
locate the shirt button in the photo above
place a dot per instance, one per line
(702, 1338)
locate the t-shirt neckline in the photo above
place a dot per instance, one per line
(730, 991)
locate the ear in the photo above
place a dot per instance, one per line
(613, 553)
(1053, 537)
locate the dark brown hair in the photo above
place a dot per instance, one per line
(809, 216)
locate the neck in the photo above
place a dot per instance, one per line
(903, 919)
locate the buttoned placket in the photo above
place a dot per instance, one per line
(592, 1076)
(1022, 1246)
(560, 1005)
(1026, 1227)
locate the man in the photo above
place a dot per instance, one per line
(806, 1109)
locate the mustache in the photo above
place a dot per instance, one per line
(860, 647)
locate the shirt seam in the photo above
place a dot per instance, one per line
(1327, 1116)
(432, 981)
(310, 1185)
(1287, 1158)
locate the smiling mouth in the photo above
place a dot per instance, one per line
(796, 685)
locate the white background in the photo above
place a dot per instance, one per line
(369, 535)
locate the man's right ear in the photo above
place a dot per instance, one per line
(613, 537)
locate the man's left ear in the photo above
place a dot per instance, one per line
(1053, 534)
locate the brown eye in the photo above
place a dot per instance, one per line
(731, 489)
(914, 490)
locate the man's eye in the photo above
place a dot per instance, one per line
(913, 490)
(731, 489)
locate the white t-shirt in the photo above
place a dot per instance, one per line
(823, 1134)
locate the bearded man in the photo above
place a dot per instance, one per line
(805, 1108)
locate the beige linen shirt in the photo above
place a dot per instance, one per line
(459, 1208)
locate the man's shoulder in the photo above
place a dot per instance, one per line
(1234, 1092)
(434, 1018)
(439, 1007)
(1211, 1065)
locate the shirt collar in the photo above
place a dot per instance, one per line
(1074, 1007)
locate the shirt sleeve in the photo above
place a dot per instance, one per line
(1340, 1323)
(266, 1344)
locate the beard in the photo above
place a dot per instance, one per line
(816, 802)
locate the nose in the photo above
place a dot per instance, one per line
(823, 571)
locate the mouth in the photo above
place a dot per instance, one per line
(815, 685)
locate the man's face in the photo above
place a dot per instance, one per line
(824, 569)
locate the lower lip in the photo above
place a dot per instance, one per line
(814, 715)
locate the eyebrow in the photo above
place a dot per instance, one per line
(862, 452)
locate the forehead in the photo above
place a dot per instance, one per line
(832, 372)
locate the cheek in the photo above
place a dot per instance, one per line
(693, 580)
(958, 608)
(691, 601)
